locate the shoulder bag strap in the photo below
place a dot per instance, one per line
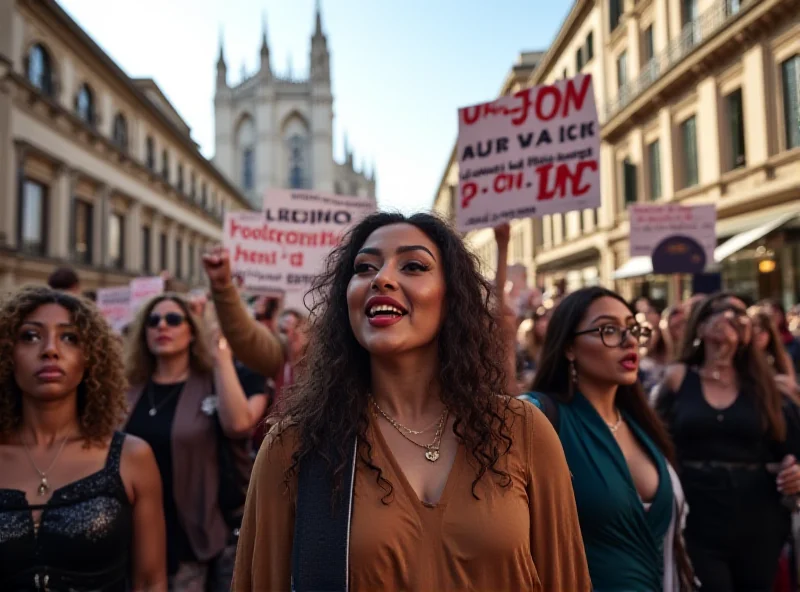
(321, 547)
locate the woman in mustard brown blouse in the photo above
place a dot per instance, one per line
(401, 421)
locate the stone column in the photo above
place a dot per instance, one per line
(133, 237)
(12, 171)
(171, 236)
(708, 137)
(759, 137)
(667, 153)
(155, 243)
(100, 256)
(60, 219)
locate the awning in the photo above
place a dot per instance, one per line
(634, 267)
(748, 237)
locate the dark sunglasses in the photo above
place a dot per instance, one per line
(172, 319)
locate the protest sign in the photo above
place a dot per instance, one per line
(679, 239)
(143, 289)
(114, 305)
(284, 247)
(534, 153)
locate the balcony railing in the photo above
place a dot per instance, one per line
(692, 35)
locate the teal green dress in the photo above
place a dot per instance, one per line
(624, 542)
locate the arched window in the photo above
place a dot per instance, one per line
(245, 147)
(84, 104)
(40, 70)
(120, 132)
(297, 162)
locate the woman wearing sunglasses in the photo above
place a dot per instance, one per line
(188, 403)
(629, 500)
(729, 425)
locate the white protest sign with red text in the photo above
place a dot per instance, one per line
(114, 305)
(534, 153)
(284, 247)
(143, 289)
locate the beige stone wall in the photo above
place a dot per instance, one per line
(42, 139)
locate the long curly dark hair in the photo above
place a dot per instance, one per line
(328, 404)
(101, 393)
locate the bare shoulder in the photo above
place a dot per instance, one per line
(674, 375)
(136, 452)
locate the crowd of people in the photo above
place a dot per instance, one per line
(417, 430)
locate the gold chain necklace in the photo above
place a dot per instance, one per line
(432, 449)
(401, 427)
(44, 486)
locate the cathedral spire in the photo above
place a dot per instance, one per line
(264, 45)
(222, 68)
(318, 20)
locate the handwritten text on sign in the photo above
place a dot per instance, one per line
(284, 247)
(651, 224)
(531, 154)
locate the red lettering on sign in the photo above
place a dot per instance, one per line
(468, 191)
(563, 176)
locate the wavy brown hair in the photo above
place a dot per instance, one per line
(101, 393)
(329, 403)
(752, 369)
(140, 363)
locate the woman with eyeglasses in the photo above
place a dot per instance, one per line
(629, 500)
(188, 403)
(729, 425)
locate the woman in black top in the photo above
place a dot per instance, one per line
(188, 402)
(80, 504)
(730, 425)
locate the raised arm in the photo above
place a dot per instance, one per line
(252, 343)
(506, 316)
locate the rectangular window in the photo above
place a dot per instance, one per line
(654, 169)
(165, 165)
(146, 249)
(622, 70)
(204, 196)
(193, 187)
(615, 10)
(579, 60)
(689, 145)
(162, 252)
(180, 178)
(33, 218)
(648, 47)
(689, 12)
(116, 241)
(589, 46)
(248, 182)
(581, 224)
(629, 182)
(790, 71)
(735, 112)
(151, 153)
(178, 258)
(565, 76)
(83, 215)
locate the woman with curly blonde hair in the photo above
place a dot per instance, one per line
(191, 404)
(80, 503)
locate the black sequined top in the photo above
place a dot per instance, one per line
(84, 537)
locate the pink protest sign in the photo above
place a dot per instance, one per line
(283, 248)
(534, 153)
(680, 239)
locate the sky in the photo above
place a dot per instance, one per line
(400, 70)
